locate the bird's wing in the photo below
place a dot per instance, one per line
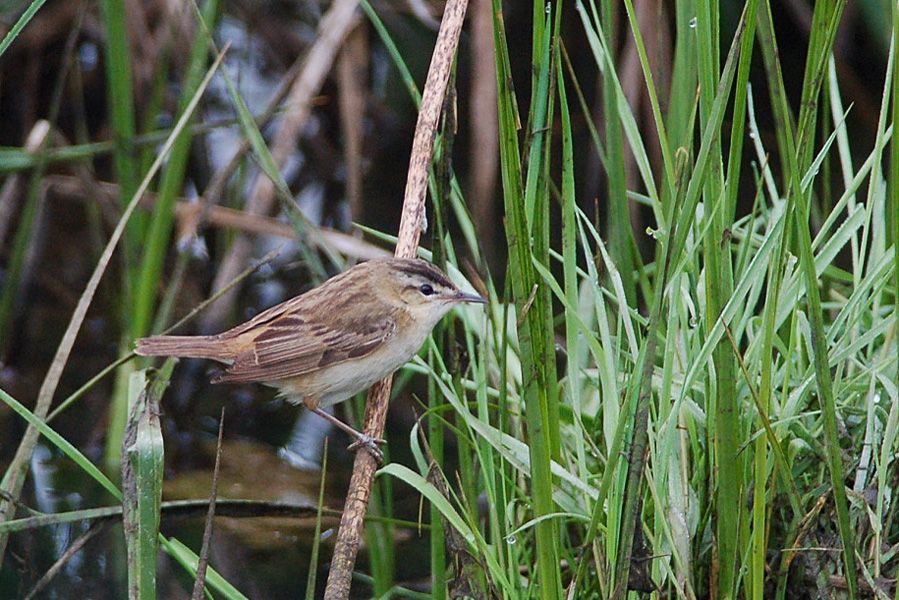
(292, 345)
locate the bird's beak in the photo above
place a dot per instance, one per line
(473, 298)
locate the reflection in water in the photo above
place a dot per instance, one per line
(265, 557)
(304, 448)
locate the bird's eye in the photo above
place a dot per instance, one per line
(426, 289)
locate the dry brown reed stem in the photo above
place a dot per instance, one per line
(219, 181)
(203, 557)
(484, 153)
(352, 72)
(73, 549)
(650, 17)
(350, 532)
(37, 139)
(187, 214)
(332, 30)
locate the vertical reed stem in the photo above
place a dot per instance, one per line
(364, 467)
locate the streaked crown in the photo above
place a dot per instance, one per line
(420, 283)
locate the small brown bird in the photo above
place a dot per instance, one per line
(334, 341)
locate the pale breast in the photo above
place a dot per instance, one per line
(341, 381)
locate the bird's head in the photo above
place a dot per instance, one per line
(420, 288)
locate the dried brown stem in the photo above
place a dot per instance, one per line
(188, 228)
(12, 187)
(350, 532)
(187, 214)
(203, 558)
(73, 549)
(484, 152)
(352, 72)
(334, 27)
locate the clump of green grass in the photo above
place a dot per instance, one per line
(711, 397)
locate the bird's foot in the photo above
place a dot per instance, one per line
(362, 440)
(370, 444)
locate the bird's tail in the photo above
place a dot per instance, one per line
(186, 346)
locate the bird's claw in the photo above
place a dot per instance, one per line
(370, 444)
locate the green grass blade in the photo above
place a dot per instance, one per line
(188, 559)
(797, 152)
(316, 539)
(533, 335)
(20, 24)
(266, 162)
(63, 444)
(621, 235)
(119, 411)
(661, 130)
(142, 472)
(569, 252)
(120, 98)
(893, 206)
(433, 495)
(640, 392)
(156, 242)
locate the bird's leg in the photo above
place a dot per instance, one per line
(362, 441)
